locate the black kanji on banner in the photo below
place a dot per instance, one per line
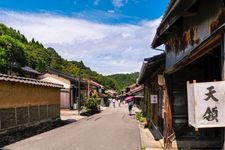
(210, 94)
(211, 114)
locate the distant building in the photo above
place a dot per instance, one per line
(24, 71)
(135, 90)
(30, 72)
(69, 93)
(111, 93)
(98, 90)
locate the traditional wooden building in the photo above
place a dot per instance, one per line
(25, 102)
(68, 94)
(99, 91)
(193, 34)
(138, 92)
(151, 71)
(111, 93)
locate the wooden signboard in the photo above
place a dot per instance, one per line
(206, 104)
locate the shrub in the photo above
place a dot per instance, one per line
(140, 117)
(91, 106)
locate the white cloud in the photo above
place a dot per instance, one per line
(111, 11)
(119, 3)
(105, 48)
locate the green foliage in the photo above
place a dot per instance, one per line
(91, 106)
(140, 117)
(124, 80)
(4, 30)
(37, 56)
(11, 52)
(70, 68)
(56, 60)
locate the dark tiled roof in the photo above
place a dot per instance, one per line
(4, 77)
(102, 95)
(174, 12)
(137, 89)
(96, 84)
(29, 69)
(149, 66)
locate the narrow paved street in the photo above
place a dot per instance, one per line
(112, 129)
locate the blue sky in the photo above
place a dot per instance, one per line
(110, 36)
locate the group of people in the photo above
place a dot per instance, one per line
(114, 102)
(129, 99)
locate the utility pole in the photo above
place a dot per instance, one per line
(88, 88)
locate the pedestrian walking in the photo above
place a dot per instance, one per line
(129, 100)
(114, 102)
(119, 102)
(130, 106)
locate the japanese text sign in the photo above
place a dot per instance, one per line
(206, 104)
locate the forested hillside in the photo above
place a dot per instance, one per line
(125, 80)
(15, 49)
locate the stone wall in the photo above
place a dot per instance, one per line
(26, 116)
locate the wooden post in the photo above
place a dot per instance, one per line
(167, 119)
(223, 71)
(79, 93)
(223, 57)
(187, 83)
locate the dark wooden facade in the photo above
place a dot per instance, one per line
(193, 35)
(154, 112)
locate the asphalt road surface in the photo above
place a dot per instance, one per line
(112, 129)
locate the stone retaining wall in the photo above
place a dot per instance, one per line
(27, 116)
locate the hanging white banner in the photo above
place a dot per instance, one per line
(206, 104)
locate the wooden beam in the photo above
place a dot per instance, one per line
(189, 14)
(223, 57)
(223, 73)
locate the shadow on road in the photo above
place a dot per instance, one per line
(23, 133)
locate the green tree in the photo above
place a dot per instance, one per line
(11, 53)
(124, 80)
(4, 30)
(68, 67)
(56, 60)
(37, 56)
